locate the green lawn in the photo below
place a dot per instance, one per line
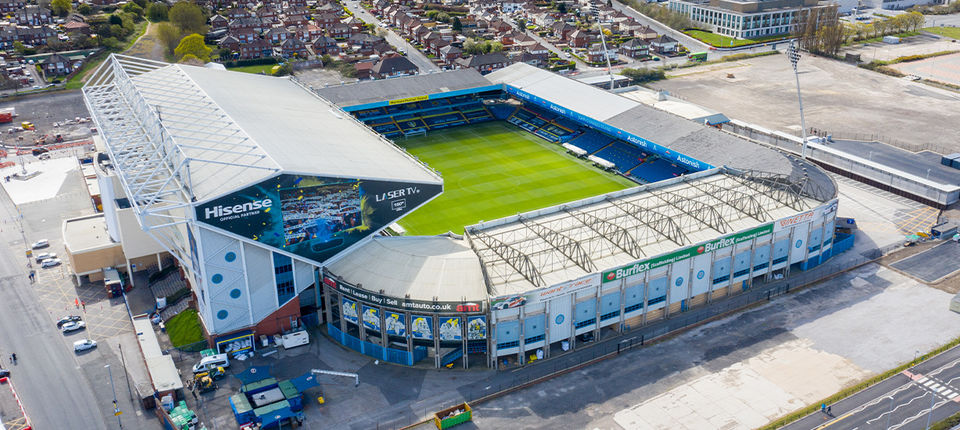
(495, 169)
(951, 32)
(721, 41)
(265, 68)
(184, 328)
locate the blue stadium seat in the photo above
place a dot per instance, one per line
(591, 141)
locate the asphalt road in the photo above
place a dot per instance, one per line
(413, 54)
(55, 394)
(913, 399)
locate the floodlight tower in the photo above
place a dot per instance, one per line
(794, 55)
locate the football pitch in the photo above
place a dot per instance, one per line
(495, 169)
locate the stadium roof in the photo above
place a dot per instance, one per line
(553, 245)
(671, 131)
(422, 267)
(180, 134)
(402, 87)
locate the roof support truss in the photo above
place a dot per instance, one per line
(706, 214)
(653, 220)
(743, 202)
(562, 244)
(609, 231)
(509, 255)
(777, 187)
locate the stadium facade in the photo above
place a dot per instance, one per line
(271, 196)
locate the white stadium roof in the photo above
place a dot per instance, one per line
(554, 245)
(425, 267)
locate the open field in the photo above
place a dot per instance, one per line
(494, 170)
(265, 69)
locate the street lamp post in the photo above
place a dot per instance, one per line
(794, 54)
(116, 409)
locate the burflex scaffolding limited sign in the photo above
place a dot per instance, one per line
(313, 217)
(368, 297)
(685, 253)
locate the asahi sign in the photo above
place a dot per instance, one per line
(407, 304)
(683, 254)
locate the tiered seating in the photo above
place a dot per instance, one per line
(389, 129)
(658, 169)
(624, 155)
(591, 141)
(367, 113)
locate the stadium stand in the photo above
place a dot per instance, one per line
(422, 116)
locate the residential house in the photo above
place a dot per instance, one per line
(535, 56)
(230, 43)
(449, 54)
(11, 6)
(580, 39)
(363, 69)
(76, 27)
(278, 35)
(219, 22)
(326, 20)
(340, 31)
(57, 65)
(236, 13)
(33, 15)
(245, 24)
(35, 35)
(325, 45)
(258, 48)
(391, 66)
(484, 63)
(562, 30)
(664, 45)
(379, 6)
(596, 53)
(363, 42)
(645, 33)
(245, 35)
(309, 32)
(292, 48)
(635, 48)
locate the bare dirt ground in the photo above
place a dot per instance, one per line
(147, 46)
(838, 98)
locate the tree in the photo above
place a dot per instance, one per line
(639, 76)
(157, 12)
(494, 47)
(61, 7)
(191, 60)
(819, 30)
(18, 46)
(169, 35)
(134, 9)
(443, 17)
(284, 70)
(193, 45)
(469, 47)
(189, 17)
(457, 25)
(84, 9)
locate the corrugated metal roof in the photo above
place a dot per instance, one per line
(402, 87)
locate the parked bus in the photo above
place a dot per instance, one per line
(697, 56)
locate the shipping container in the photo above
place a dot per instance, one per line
(947, 160)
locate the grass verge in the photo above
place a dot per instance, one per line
(728, 58)
(266, 69)
(77, 80)
(847, 392)
(951, 32)
(721, 41)
(184, 328)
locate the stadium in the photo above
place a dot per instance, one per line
(559, 213)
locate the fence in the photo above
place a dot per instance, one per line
(505, 382)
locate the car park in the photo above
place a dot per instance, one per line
(42, 243)
(44, 255)
(67, 319)
(50, 262)
(73, 326)
(84, 344)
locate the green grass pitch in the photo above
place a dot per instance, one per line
(495, 169)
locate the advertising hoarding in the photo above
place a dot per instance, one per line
(421, 327)
(543, 294)
(349, 310)
(396, 324)
(234, 343)
(371, 318)
(685, 253)
(406, 304)
(450, 328)
(476, 328)
(313, 217)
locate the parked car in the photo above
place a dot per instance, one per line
(84, 344)
(50, 262)
(73, 326)
(42, 243)
(68, 318)
(45, 255)
(4, 373)
(44, 156)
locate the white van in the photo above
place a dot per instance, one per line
(207, 364)
(295, 339)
